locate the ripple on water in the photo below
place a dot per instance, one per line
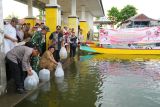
(104, 83)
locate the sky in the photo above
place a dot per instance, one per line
(149, 7)
(16, 8)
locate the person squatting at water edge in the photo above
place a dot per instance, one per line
(47, 60)
(18, 65)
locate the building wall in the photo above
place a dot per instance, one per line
(65, 19)
(2, 61)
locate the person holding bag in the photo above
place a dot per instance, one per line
(47, 60)
(73, 44)
(18, 64)
(57, 39)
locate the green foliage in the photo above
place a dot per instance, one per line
(119, 16)
(127, 12)
(40, 14)
(113, 14)
(11, 16)
(97, 18)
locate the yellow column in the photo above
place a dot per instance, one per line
(51, 21)
(85, 28)
(73, 23)
(32, 21)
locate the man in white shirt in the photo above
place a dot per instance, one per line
(131, 46)
(10, 38)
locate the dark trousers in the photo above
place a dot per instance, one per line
(72, 51)
(15, 70)
(56, 55)
(43, 48)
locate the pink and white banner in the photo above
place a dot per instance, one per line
(130, 35)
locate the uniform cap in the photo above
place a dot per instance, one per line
(46, 28)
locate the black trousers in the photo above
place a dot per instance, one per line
(56, 55)
(14, 71)
(43, 48)
(72, 51)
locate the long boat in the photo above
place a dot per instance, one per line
(102, 57)
(147, 35)
(120, 51)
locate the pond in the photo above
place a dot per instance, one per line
(99, 81)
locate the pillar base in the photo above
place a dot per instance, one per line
(85, 28)
(30, 20)
(73, 23)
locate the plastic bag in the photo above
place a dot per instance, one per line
(44, 75)
(30, 82)
(36, 76)
(63, 53)
(59, 71)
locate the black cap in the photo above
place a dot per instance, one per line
(51, 47)
(58, 27)
(46, 28)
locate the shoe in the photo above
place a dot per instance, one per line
(20, 91)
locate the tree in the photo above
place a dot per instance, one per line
(119, 16)
(11, 16)
(113, 15)
(40, 14)
(127, 12)
(97, 18)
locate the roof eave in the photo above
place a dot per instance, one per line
(102, 7)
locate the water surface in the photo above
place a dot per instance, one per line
(99, 81)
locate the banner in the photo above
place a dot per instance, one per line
(130, 35)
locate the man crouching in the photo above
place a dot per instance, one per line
(18, 64)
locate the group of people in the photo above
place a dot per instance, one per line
(21, 60)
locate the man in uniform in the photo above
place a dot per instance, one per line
(38, 39)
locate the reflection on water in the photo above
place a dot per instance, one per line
(101, 81)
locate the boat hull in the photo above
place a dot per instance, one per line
(121, 51)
